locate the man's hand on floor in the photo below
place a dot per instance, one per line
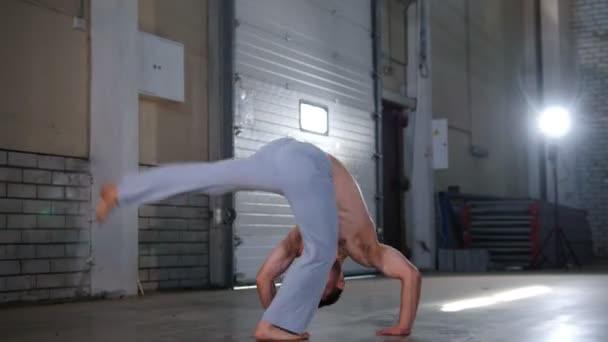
(394, 331)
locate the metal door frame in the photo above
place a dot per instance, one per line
(221, 44)
(221, 33)
(377, 115)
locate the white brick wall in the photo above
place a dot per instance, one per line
(173, 243)
(44, 229)
(45, 232)
(590, 31)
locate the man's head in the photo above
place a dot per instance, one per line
(334, 286)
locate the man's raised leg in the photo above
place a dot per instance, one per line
(165, 181)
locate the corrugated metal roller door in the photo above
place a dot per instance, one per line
(287, 51)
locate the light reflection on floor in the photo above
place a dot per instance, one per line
(574, 311)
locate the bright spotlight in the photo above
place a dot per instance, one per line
(554, 122)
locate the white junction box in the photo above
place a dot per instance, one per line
(161, 67)
(440, 144)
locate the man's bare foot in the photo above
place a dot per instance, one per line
(109, 200)
(268, 332)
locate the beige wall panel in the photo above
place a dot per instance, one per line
(69, 7)
(43, 81)
(494, 117)
(148, 129)
(173, 132)
(449, 66)
(385, 25)
(395, 80)
(393, 46)
(181, 20)
(398, 36)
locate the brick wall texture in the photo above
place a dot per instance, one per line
(44, 227)
(173, 243)
(589, 25)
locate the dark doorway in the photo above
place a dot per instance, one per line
(394, 121)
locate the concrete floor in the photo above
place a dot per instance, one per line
(576, 310)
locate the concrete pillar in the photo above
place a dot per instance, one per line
(114, 140)
(419, 202)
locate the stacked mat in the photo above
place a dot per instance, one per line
(510, 232)
(507, 229)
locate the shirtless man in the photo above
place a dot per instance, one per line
(332, 223)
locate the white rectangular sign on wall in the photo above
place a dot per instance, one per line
(440, 144)
(161, 67)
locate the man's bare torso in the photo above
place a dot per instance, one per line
(356, 227)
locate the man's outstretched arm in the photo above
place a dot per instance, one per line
(394, 265)
(277, 262)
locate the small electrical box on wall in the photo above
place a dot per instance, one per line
(161, 67)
